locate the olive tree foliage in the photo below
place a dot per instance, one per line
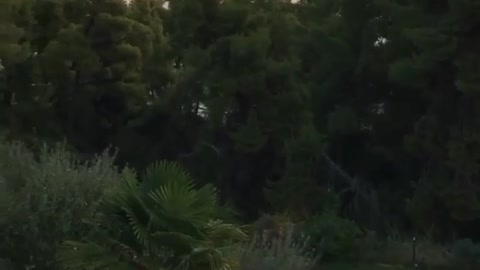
(48, 198)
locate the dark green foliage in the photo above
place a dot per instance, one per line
(444, 132)
(48, 199)
(163, 222)
(300, 192)
(333, 236)
(276, 104)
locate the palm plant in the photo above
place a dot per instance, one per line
(163, 222)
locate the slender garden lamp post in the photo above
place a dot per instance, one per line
(414, 252)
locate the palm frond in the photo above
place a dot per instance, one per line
(165, 172)
(162, 221)
(219, 232)
(170, 192)
(220, 244)
(173, 200)
(128, 201)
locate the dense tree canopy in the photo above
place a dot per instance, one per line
(276, 103)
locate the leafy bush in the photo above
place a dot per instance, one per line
(335, 236)
(47, 199)
(286, 253)
(162, 222)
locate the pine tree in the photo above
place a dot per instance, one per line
(438, 62)
(95, 56)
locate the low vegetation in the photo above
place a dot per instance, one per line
(59, 213)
